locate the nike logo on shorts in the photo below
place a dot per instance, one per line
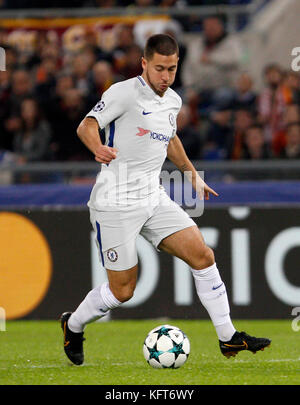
(218, 286)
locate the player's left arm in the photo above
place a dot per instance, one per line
(177, 155)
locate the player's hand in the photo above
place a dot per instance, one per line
(105, 154)
(208, 190)
(205, 192)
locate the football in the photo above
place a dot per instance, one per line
(166, 346)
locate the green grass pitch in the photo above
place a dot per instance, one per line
(32, 354)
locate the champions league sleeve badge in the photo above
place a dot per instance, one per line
(99, 106)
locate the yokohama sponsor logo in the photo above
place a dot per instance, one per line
(153, 135)
(160, 137)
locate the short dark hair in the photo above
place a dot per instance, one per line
(160, 43)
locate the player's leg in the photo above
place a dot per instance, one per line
(122, 283)
(172, 230)
(188, 244)
(115, 237)
(97, 303)
(120, 260)
(101, 299)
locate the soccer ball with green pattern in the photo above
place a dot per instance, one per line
(166, 346)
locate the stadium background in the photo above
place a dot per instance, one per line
(240, 125)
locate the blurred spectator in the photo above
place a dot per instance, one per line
(44, 46)
(90, 55)
(3, 37)
(92, 49)
(21, 87)
(291, 149)
(45, 79)
(50, 50)
(124, 39)
(212, 63)
(290, 115)
(11, 56)
(64, 82)
(255, 145)
(189, 137)
(68, 115)
(243, 119)
(125, 43)
(271, 105)
(31, 141)
(291, 85)
(46, 70)
(132, 63)
(219, 134)
(101, 79)
(80, 71)
(5, 79)
(173, 29)
(5, 137)
(244, 96)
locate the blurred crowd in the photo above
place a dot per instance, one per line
(17, 4)
(45, 93)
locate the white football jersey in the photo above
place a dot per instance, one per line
(139, 124)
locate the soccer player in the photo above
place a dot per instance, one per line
(139, 117)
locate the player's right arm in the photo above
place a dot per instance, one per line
(88, 132)
(113, 104)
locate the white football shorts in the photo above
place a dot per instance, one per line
(117, 231)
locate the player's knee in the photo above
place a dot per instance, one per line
(204, 258)
(124, 294)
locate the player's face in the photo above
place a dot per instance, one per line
(160, 71)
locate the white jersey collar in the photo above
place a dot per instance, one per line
(147, 89)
